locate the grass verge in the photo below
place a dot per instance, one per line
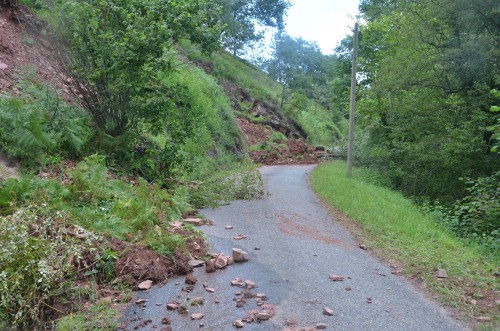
(395, 228)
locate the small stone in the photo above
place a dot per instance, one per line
(263, 316)
(484, 318)
(165, 321)
(474, 302)
(364, 247)
(194, 221)
(197, 301)
(209, 289)
(336, 278)
(145, 285)
(228, 227)
(249, 284)
(197, 316)
(211, 223)
(441, 273)
(140, 301)
(261, 296)
(239, 324)
(176, 224)
(159, 304)
(196, 263)
(239, 237)
(190, 279)
(321, 326)
(240, 255)
(216, 301)
(240, 303)
(237, 282)
(257, 248)
(369, 300)
(348, 288)
(210, 266)
(172, 306)
(327, 311)
(230, 260)
(202, 324)
(3, 66)
(221, 261)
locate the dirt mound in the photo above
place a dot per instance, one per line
(289, 151)
(141, 263)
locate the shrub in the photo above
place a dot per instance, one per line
(37, 252)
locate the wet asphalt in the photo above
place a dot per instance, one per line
(300, 246)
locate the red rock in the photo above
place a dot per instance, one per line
(140, 301)
(336, 278)
(197, 316)
(239, 324)
(239, 237)
(190, 279)
(145, 285)
(197, 301)
(176, 224)
(441, 273)
(221, 261)
(237, 282)
(249, 284)
(172, 306)
(194, 221)
(240, 255)
(263, 316)
(210, 266)
(228, 227)
(327, 311)
(209, 289)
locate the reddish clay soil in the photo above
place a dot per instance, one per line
(24, 47)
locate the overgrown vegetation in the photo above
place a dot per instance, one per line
(413, 242)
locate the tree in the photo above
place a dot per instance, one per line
(429, 67)
(298, 65)
(240, 18)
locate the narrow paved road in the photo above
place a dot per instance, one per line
(300, 245)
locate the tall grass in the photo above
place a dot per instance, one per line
(399, 232)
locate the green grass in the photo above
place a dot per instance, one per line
(102, 317)
(400, 233)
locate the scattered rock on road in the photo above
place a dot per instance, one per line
(336, 278)
(321, 326)
(239, 324)
(145, 285)
(197, 316)
(327, 311)
(194, 221)
(240, 255)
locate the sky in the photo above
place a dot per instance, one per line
(325, 21)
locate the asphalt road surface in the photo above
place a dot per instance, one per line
(300, 246)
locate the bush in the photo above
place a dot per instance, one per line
(37, 252)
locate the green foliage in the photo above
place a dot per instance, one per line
(39, 123)
(101, 317)
(240, 18)
(223, 186)
(36, 251)
(476, 216)
(428, 68)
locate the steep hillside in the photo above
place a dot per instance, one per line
(296, 130)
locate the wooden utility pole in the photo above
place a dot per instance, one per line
(353, 101)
